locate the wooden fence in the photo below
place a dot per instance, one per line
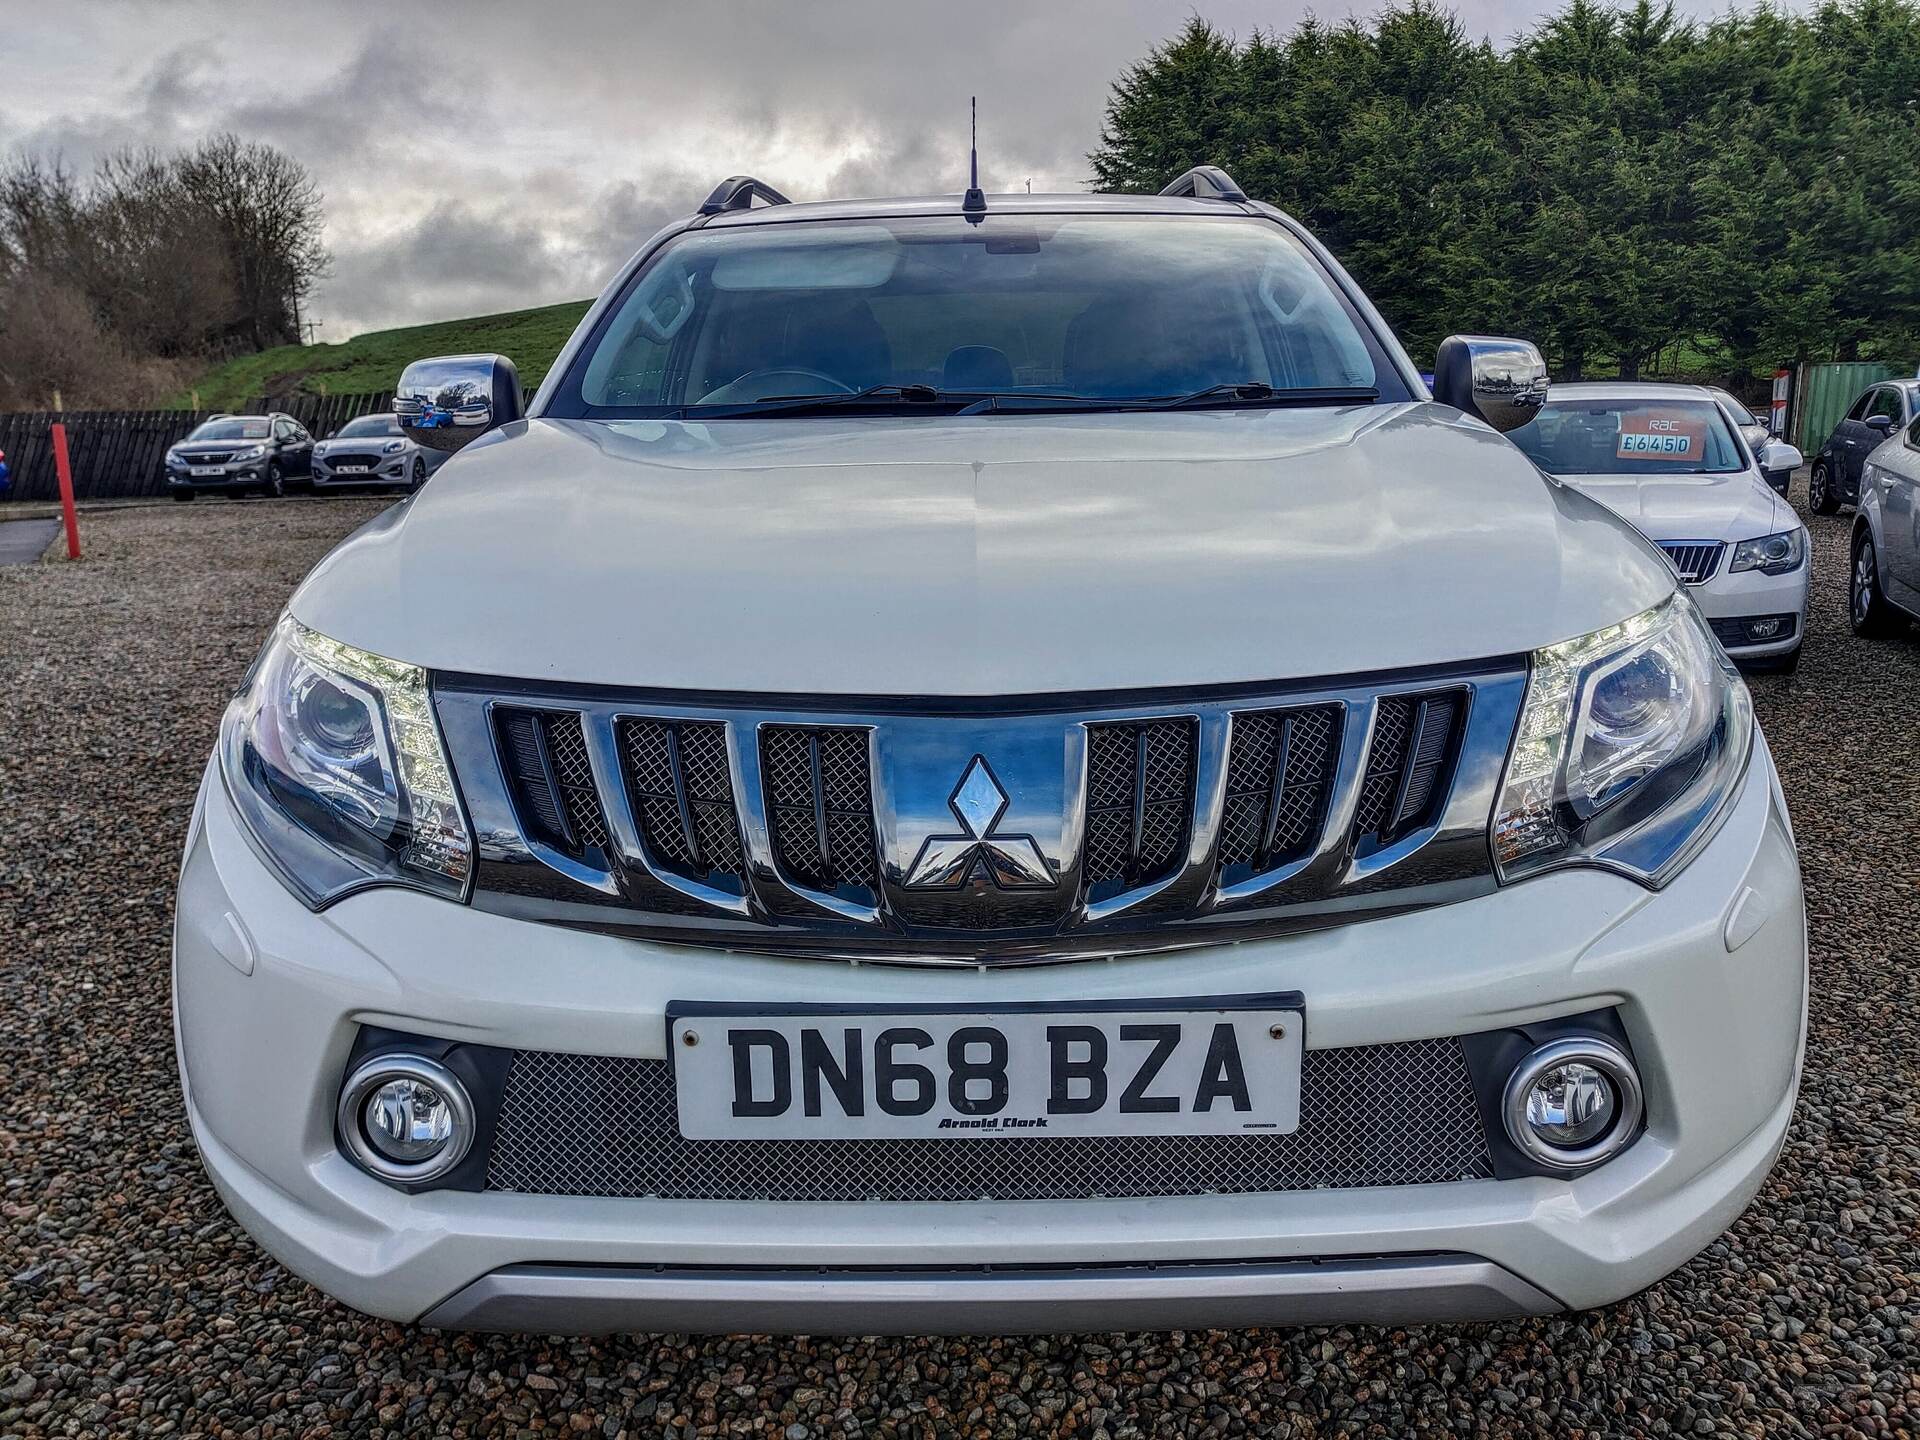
(122, 453)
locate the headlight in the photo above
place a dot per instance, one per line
(1629, 743)
(1771, 554)
(248, 452)
(335, 763)
(393, 447)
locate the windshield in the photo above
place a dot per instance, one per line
(1629, 437)
(1082, 306)
(233, 427)
(366, 425)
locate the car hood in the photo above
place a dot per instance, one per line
(1691, 507)
(992, 555)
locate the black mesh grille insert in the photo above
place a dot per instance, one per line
(819, 792)
(682, 791)
(1431, 749)
(1414, 737)
(1279, 774)
(593, 1125)
(545, 753)
(1139, 801)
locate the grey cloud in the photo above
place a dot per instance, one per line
(517, 152)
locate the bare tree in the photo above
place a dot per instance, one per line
(266, 213)
(113, 289)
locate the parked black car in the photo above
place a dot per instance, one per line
(239, 455)
(1881, 409)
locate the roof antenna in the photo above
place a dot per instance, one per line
(975, 203)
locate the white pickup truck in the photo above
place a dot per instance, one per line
(983, 765)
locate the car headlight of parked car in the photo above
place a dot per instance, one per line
(1629, 742)
(393, 447)
(248, 452)
(335, 763)
(1779, 554)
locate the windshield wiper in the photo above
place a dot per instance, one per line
(898, 399)
(1258, 392)
(1233, 394)
(885, 396)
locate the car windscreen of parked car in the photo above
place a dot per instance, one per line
(1630, 437)
(232, 428)
(366, 426)
(1100, 307)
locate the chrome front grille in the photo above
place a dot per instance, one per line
(1696, 560)
(982, 833)
(1401, 1114)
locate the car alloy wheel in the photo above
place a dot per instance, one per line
(276, 485)
(1867, 608)
(1820, 497)
(419, 476)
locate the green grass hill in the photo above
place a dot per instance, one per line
(373, 361)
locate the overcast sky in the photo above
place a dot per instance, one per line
(479, 157)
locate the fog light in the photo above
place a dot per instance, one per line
(1764, 629)
(1573, 1103)
(405, 1118)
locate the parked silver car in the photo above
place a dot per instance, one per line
(1884, 592)
(372, 450)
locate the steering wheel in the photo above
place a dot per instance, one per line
(775, 380)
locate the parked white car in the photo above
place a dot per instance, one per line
(372, 450)
(988, 765)
(1884, 588)
(1666, 459)
(1774, 467)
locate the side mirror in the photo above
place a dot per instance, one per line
(1882, 423)
(1777, 455)
(449, 401)
(1502, 381)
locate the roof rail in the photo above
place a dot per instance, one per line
(737, 192)
(1207, 182)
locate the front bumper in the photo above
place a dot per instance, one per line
(231, 477)
(1708, 977)
(1750, 595)
(390, 471)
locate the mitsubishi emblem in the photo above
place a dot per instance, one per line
(1013, 862)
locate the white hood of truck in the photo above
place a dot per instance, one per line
(1732, 507)
(991, 555)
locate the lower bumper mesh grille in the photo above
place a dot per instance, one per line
(1399, 1114)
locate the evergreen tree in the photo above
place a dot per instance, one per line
(1617, 184)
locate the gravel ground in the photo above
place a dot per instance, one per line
(130, 1303)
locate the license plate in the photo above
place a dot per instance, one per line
(205, 470)
(349, 469)
(1151, 1067)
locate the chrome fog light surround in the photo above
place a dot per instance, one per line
(413, 1078)
(1595, 1054)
